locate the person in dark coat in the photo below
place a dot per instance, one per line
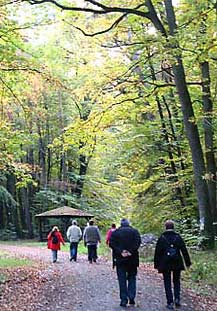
(168, 264)
(125, 242)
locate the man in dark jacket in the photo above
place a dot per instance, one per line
(125, 242)
(168, 260)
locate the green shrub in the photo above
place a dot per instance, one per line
(8, 234)
(203, 270)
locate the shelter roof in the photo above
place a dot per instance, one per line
(65, 211)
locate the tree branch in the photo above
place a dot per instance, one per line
(154, 18)
(103, 8)
(102, 113)
(121, 44)
(13, 94)
(102, 31)
(20, 69)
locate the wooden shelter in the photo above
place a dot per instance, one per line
(65, 213)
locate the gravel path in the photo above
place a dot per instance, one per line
(82, 286)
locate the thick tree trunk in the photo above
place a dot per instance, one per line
(191, 132)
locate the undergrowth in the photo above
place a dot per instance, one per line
(201, 276)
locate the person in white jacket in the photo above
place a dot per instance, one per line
(74, 236)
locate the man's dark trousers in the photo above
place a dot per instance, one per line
(127, 283)
(92, 252)
(168, 285)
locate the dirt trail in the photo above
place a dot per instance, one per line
(82, 286)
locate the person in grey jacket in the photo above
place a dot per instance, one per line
(91, 238)
(74, 235)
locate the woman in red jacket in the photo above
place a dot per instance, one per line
(54, 240)
(109, 233)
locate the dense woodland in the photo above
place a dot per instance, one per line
(109, 107)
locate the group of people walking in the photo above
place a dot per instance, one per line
(125, 242)
(91, 237)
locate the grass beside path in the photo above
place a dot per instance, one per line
(9, 262)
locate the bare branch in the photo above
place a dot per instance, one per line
(13, 94)
(103, 8)
(78, 107)
(101, 114)
(121, 44)
(20, 69)
(102, 31)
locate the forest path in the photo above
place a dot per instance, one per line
(80, 286)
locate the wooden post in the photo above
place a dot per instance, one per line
(40, 230)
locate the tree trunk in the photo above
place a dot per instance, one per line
(23, 194)
(41, 157)
(11, 187)
(208, 131)
(179, 152)
(83, 160)
(167, 140)
(49, 154)
(82, 173)
(49, 161)
(192, 133)
(63, 168)
(1, 215)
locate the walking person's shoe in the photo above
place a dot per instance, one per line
(177, 303)
(170, 306)
(124, 303)
(132, 302)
